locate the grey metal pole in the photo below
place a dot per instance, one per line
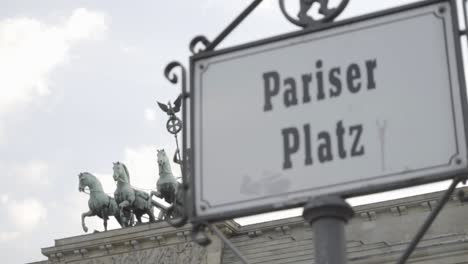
(328, 215)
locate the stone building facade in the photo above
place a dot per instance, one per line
(379, 233)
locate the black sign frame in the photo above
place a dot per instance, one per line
(190, 131)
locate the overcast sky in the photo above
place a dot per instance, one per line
(79, 82)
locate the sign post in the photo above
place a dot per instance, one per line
(328, 215)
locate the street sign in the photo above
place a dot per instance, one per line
(355, 107)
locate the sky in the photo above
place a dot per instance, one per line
(79, 81)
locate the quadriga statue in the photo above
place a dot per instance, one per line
(99, 203)
(129, 199)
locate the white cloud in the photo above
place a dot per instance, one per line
(2, 136)
(34, 172)
(150, 114)
(26, 214)
(84, 24)
(4, 198)
(30, 50)
(8, 236)
(126, 48)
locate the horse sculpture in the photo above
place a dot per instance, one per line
(130, 199)
(168, 188)
(99, 203)
(167, 183)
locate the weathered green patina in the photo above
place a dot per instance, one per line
(130, 199)
(168, 188)
(99, 203)
(167, 183)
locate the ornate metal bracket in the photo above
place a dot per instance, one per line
(306, 21)
(211, 45)
(303, 20)
(202, 40)
(171, 75)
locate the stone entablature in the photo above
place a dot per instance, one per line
(139, 244)
(379, 233)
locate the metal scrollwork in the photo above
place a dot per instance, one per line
(169, 73)
(199, 40)
(211, 45)
(304, 20)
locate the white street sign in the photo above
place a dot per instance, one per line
(356, 108)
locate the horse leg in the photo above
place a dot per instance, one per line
(131, 218)
(119, 220)
(105, 217)
(151, 215)
(138, 217)
(123, 205)
(161, 214)
(105, 225)
(125, 218)
(83, 215)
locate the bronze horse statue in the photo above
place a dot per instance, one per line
(99, 203)
(129, 199)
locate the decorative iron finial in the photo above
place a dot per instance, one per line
(304, 20)
(174, 124)
(199, 40)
